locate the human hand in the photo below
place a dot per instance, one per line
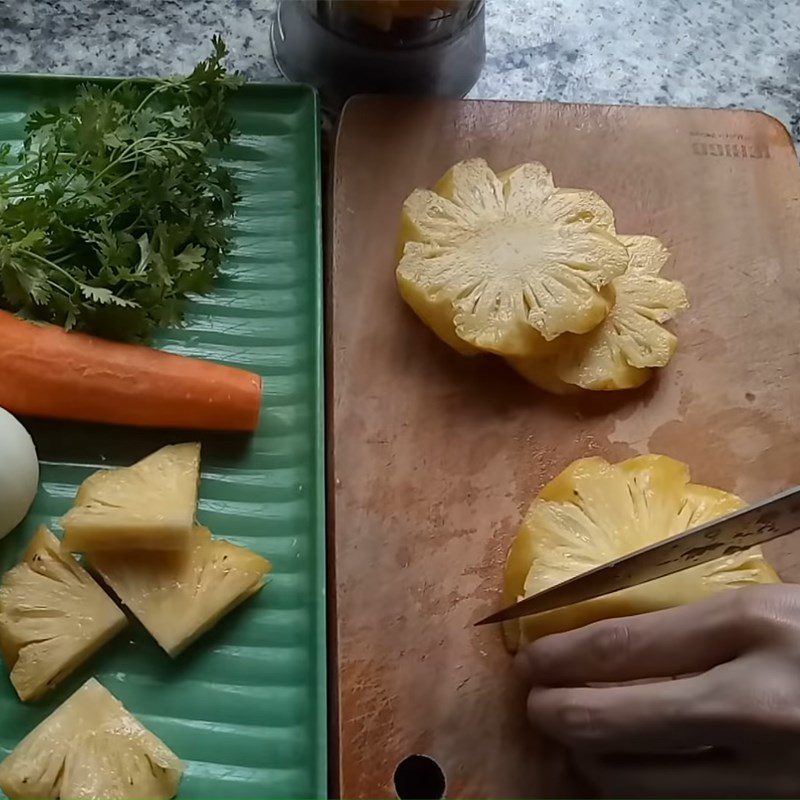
(727, 726)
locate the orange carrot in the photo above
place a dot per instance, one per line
(47, 372)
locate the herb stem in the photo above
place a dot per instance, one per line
(159, 88)
(46, 262)
(159, 140)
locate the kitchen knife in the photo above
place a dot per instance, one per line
(725, 536)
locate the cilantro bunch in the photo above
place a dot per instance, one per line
(117, 209)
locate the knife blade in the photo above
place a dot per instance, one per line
(755, 524)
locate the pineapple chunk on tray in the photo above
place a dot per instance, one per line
(53, 616)
(148, 506)
(178, 596)
(91, 747)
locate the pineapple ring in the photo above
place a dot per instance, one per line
(622, 351)
(505, 263)
(594, 512)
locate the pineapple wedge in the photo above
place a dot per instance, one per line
(91, 748)
(149, 506)
(505, 263)
(53, 616)
(622, 351)
(180, 596)
(594, 512)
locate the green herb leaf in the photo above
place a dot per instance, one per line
(117, 209)
(192, 257)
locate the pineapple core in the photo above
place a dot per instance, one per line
(53, 616)
(91, 748)
(594, 512)
(180, 596)
(149, 506)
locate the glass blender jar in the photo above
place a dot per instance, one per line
(413, 47)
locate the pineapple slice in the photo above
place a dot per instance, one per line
(505, 263)
(149, 506)
(180, 596)
(594, 512)
(91, 748)
(53, 616)
(622, 351)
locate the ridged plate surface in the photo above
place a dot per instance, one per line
(245, 707)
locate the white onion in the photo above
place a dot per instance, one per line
(19, 473)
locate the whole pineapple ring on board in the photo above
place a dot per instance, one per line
(505, 263)
(594, 512)
(622, 351)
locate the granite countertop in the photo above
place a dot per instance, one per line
(744, 53)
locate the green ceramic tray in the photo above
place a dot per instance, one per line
(245, 707)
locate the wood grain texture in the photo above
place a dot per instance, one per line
(435, 456)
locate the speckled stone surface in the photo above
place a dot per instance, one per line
(740, 53)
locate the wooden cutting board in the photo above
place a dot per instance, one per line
(435, 456)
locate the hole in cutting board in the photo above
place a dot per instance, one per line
(419, 777)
